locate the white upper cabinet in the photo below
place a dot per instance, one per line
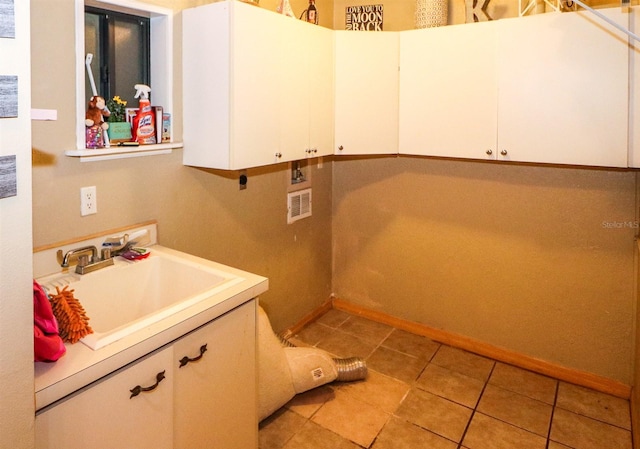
(261, 88)
(448, 91)
(550, 88)
(257, 86)
(366, 92)
(563, 89)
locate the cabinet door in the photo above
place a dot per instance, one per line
(257, 86)
(306, 90)
(321, 91)
(216, 395)
(448, 91)
(563, 95)
(366, 92)
(104, 416)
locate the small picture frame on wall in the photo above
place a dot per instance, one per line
(8, 184)
(8, 96)
(7, 19)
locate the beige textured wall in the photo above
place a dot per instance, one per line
(519, 256)
(198, 211)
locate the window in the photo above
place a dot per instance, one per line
(160, 62)
(120, 44)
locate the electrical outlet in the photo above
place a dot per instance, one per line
(88, 201)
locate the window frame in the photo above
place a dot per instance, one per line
(107, 19)
(161, 55)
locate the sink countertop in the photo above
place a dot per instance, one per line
(81, 365)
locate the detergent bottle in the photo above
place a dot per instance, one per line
(143, 129)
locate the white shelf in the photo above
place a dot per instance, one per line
(116, 152)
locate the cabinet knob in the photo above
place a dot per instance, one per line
(184, 360)
(340, 148)
(489, 152)
(503, 152)
(135, 391)
(278, 155)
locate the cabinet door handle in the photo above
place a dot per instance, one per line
(489, 152)
(278, 155)
(340, 148)
(135, 391)
(503, 152)
(184, 360)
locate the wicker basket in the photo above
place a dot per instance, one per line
(431, 13)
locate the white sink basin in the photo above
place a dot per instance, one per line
(130, 296)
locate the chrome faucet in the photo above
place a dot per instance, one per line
(76, 253)
(84, 263)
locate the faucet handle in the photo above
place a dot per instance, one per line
(60, 257)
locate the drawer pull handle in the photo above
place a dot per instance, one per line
(138, 389)
(184, 360)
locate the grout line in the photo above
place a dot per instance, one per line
(553, 411)
(475, 408)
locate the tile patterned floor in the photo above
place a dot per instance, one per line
(420, 394)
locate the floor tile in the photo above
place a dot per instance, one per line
(333, 318)
(533, 385)
(313, 436)
(312, 333)
(341, 344)
(411, 344)
(378, 390)
(366, 330)
(434, 413)
(396, 364)
(279, 428)
(351, 418)
(488, 433)
(578, 431)
(516, 409)
(308, 403)
(450, 385)
(400, 434)
(463, 362)
(593, 404)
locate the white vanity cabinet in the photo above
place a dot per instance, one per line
(104, 415)
(215, 388)
(257, 87)
(201, 402)
(366, 92)
(550, 88)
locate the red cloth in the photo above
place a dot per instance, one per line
(48, 346)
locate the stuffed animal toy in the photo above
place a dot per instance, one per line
(96, 112)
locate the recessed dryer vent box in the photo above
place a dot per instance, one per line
(298, 205)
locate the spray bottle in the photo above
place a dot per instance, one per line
(144, 131)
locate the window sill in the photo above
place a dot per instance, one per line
(116, 152)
